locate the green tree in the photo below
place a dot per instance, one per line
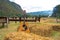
(56, 12)
(9, 9)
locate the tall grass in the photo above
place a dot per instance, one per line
(12, 27)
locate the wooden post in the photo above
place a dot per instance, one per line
(39, 19)
(19, 19)
(4, 20)
(2, 25)
(35, 19)
(16, 19)
(7, 21)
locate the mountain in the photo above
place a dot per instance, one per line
(41, 13)
(9, 9)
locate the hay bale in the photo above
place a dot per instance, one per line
(43, 30)
(25, 36)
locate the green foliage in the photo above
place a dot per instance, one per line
(56, 11)
(9, 9)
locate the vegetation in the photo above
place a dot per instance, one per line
(38, 28)
(44, 28)
(41, 13)
(9, 9)
(56, 12)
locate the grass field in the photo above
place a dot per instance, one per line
(44, 25)
(12, 27)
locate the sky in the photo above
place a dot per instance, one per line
(37, 5)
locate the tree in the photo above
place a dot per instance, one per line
(9, 9)
(56, 12)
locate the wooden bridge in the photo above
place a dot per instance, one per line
(5, 20)
(26, 19)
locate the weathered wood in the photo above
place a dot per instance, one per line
(34, 19)
(7, 20)
(22, 19)
(4, 20)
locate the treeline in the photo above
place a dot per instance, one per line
(9, 9)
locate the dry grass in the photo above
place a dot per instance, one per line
(25, 36)
(42, 30)
(48, 20)
(12, 27)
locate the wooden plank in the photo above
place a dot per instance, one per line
(4, 20)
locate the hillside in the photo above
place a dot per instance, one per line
(9, 9)
(41, 13)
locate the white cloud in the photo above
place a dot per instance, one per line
(37, 5)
